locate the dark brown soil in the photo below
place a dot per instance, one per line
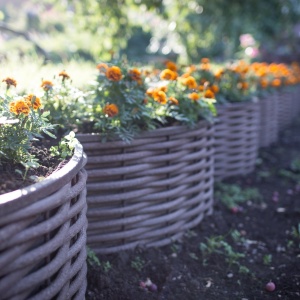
(267, 234)
(11, 180)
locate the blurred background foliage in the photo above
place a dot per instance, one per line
(150, 30)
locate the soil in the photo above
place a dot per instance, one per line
(246, 247)
(11, 180)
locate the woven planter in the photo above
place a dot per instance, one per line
(43, 237)
(236, 139)
(268, 133)
(149, 192)
(285, 109)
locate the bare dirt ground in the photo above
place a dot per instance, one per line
(252, 238)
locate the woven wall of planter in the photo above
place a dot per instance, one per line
(296, 100)
(43, 237)
(236, 139)
(268, 133)
(149, 192)
(285, 108)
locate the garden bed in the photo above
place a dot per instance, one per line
(261, 240)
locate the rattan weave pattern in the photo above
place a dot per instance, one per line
(268, 133)
(149, 192)
(43, 243)
(285, 109)
(236, 139)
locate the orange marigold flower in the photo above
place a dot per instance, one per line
(135, 75)
(10, 81)
(64, 75)
(209, 94)
(201, 88)
(215, 89)
(171, 65)
(33, 101)
(243, 85)
(111, 110)
(102, 67)
(205, 60)
(263, 83)
(160, 97)
(191, 69)
(173, 100)
(47, 85)
(19, 107)
(276, 82)
(194, 96)
(190, 82)
(114, 73)
(168, 74)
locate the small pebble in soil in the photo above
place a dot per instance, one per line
(275, 196)
(229, 275)
(270, 286)
(290, 192)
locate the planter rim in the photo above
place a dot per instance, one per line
(83, 137)
(237, 104)
(22, 197)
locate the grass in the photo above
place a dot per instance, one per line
(29, 71)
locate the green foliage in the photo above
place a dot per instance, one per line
(218, 246)
(92, 258)
(65, 147)
(138, 264)
(267, 259)
(231, 194)
(293, 172)
(21, 123)
(62, 99)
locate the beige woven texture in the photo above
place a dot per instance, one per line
(43, 237)
(268, 133)
(149, 192)
(236, 139)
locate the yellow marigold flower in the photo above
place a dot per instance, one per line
(194, 96)
(219, 74)
(111, 110)
(102, 67)
(135, 75)
(171, 65)
(19, 107)
(10, 81)
(64, 75)
(114, 73)
(214, 88)
(209, 94)
(47, 85)
(190, 82)
(168, 74)
(173, 100)
(160, 97)
(33, 101)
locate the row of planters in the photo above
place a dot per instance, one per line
(151, 143)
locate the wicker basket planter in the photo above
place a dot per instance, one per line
(236, 139)
(285, 109)
(43, 236)
(268, 133)
(149, 192)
